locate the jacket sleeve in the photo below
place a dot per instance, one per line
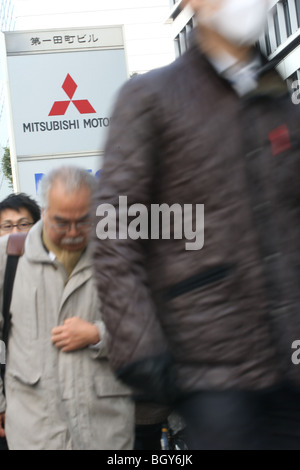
(3, 244)
(129, 312)
(99, 351)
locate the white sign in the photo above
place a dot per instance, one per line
(62, 86)
(61, 103)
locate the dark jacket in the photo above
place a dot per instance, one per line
(226, 314)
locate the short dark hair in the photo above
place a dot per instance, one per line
(21, 201)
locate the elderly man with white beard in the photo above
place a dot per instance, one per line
(60, 391)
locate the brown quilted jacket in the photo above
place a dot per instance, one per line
(227, 313)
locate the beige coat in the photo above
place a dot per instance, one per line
(59, 400)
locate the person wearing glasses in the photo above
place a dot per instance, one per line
(18, 213)
(60, 391)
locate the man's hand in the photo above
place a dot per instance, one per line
(75, 334)
(2, 424)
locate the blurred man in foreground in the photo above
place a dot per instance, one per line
(208, 330)
(60, 391)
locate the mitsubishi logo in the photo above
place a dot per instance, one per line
(60, 107)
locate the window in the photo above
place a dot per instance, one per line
(182, 41)
(287, 17)
(297, 5)
(277, 28)
(268, 44)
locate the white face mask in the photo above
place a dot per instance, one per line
(241, 22)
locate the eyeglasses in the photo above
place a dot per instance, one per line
(65, 227)
(21, 226)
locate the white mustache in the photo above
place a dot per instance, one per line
(72, 241)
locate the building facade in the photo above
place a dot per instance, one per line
(7, 20)
(183, 22)
(282, 38)
(148, 39)
(280, 43)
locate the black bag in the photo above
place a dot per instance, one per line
(153, 378)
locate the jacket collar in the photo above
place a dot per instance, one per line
(269, 82)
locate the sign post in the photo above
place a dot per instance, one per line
(61, 88)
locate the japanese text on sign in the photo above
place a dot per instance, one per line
(83, 39)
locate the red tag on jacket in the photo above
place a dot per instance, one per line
(280, 139)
